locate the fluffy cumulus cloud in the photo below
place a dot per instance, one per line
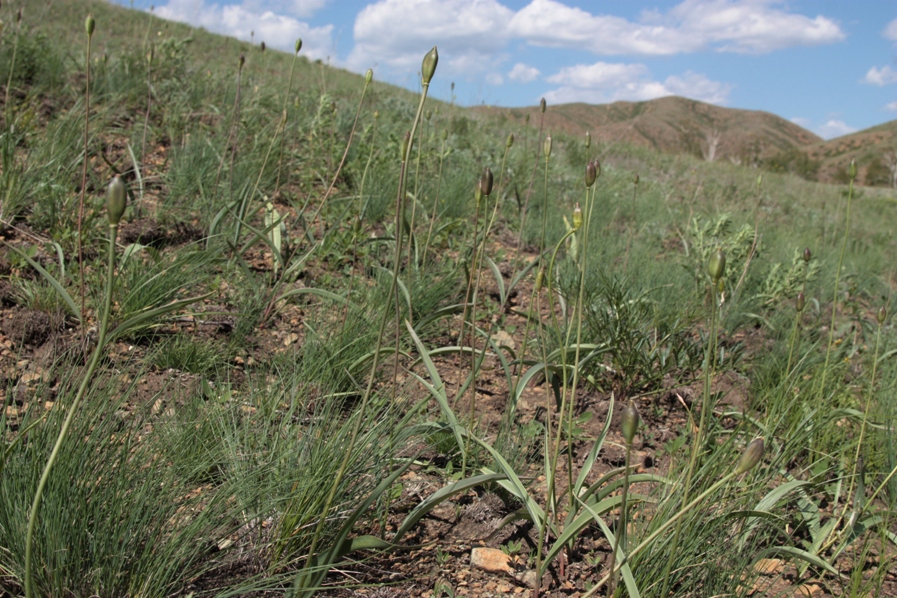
(301, 9)
(828, 130)
(892, 107)
(881, 76)
(523, 73)
(241, 20)
(610, 82)
(745, 26)
(471, 35)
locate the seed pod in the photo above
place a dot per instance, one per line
(852, 171)
(591, 173)
(807, 255)
(486, 182)
(717, 265)
(115, 200)
(242, 60)
(429, 65)
(577, 216)
(546, 147)
(751, 456)
(262, 46)
(406, 141)
(588, 140)
(89, 23)
(597, 168)
(510, 141)
(478, 194)
(429, 115)
(635, 179)
(357, 225)
(800, 302)
(368, 77)
(542, 105)
(629, 422)
(882, 315)
(539, 276)
(376, 114)
(720, 285)
(444, 134)
(298, 45)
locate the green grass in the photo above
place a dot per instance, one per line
(218, 480)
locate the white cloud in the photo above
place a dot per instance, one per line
(892, 107)
(890, 31)
(746, 26)
(523, 73)
(301, 9)
(276, 30)
(471, 35)
(604, 82)
(802, 122)
(834, 128)
(881, 76)
(494, 79)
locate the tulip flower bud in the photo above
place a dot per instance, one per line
(751, 456)
(807, 255)
(629, 422)
(376, 114)
(298, 45)
(801, 302)
(368, 77)
(242, 60)
(542, 105)
(115, 200)
(546, 147)
(444, 134)
(577, 216)
(588, 140)
(89, 24)
(717, 265)
(478, 194)
(406, 141)
(429, 115)
(486, 182)
(539, 276)
(429, 66)
(635, 180)
(597, 168)
(591, 173)
(759, 180)
(262, 46)
(526, 119)
(510, 141)
(852, 171)
(882, 315)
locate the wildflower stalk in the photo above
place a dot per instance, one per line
(436, 199)
(89, 26)
(529, 191)
(115, 208)
(794, 341)
(429, 66)
(12, 69)
(283, 136)
(630, 427)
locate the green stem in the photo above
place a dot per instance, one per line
(84, 182)
(620, 538)
(435, 202)
(91, 368)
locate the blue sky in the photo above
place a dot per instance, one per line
(828, 65)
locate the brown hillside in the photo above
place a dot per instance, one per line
(874, 149)
(674, 125)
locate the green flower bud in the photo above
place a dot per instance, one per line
(242, 60)
(262, 46)
(116, 200)
(882, 315)
(800, 302)
(478, 194)
(539, 276)
(444, 134)
(542, 105)
(717, 265)
(298, 45)
(635, 179)
(577, 216)
(89, 23)
(597, 168)
(429, 66)
(751, 456)
(629, 422)
(406, 141)
(368, 77)
(526, 119)
(546, 147)
(429, 115)
(510, 141)
(376, 114)
(588, 140)
(807, 255)
(486, 182)
(852, 171)
(591, 173)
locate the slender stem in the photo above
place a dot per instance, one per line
(529, 192)
(84, 184)
(283, 136)
(620, 538)
(435, 201)
(91, 368)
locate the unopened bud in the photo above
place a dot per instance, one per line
(759, 180)
(262, 46)
(478, 194)
(368, 77)
(444, 134)
(510, 141)
(429, 115)
(542, 105)
(591, 173)
(577, 216)
(539, 276)
(242, 60)
(882, 315)
(852, 171)
(429, 66)
(486, 182)
(526, 119)
(298, 45)
(376, 114)
(800, 302)
(751, 456)
(717, 265)
(588, 140)
(807, 255)
(629, 422)
(406, 141)
(115, 200)
(546, 147)
(635, 180)
(89, 23)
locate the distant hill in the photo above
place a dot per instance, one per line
(675, 125)
(874, 149)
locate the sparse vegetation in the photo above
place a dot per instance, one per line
(346, 327)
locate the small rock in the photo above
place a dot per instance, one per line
(502, 338)
(490, 559)
(806, 590)
(768, 566)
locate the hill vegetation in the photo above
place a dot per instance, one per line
(272, 328)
